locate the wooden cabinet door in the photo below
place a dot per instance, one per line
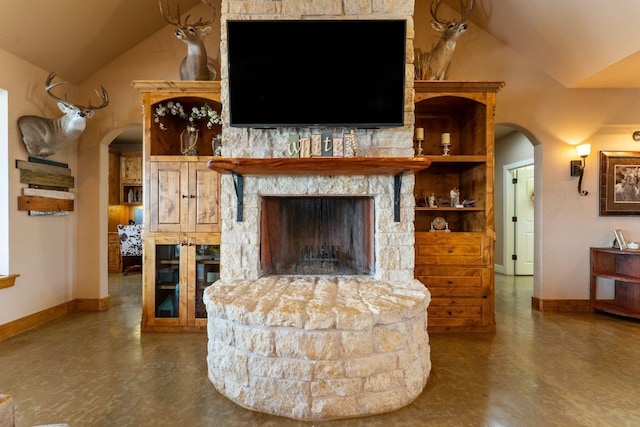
(203, 270)
(184, 197)
(167, 182)
(204, 196)
(131, 170)
(177, 269)
(166, 282)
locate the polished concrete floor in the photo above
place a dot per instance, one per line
(97, 369)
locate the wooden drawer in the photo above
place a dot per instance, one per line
(453, 281)
(467, 249)
(460, 315)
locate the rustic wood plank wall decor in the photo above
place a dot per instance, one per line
(49, 183)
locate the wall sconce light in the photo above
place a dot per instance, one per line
(577, 166)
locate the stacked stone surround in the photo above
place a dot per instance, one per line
(394, 241)
(318, 347)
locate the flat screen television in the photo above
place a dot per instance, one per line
(305, 73)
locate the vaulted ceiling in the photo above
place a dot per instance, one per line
(580, 43)
(75, 38)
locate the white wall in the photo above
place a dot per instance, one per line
(41, 249)
(4, 182)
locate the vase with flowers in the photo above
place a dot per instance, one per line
(189, 136)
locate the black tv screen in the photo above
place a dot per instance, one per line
(339, 73)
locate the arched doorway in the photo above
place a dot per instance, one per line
(514, 201)
(125, 195)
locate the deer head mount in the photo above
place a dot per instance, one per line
(196, 65)
(43, 137)
(434, 65)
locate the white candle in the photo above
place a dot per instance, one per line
(419, 133)
(446, 138)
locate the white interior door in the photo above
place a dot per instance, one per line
(525, 221)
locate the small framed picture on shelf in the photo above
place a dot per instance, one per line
(620, 241)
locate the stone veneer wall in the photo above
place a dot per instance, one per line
(394, 241)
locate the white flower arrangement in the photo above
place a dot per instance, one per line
(176, 109)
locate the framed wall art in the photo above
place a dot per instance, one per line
(619, 183)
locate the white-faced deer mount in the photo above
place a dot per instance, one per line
(43, 137)
(196, 65)
(435, 65)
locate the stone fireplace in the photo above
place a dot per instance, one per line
(389, 244)
(317, 314)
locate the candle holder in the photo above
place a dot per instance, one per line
(445, 143)
(419, 136)
(420, 147)
(216, 145)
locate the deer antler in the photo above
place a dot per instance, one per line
(49, 86)
(434, 12)
(213, 9)
(167, 16)
(176, 22)
(104, 98)
(466, 7)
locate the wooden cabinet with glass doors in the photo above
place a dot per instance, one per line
(455, 241)
(181, 267)
(181, 202)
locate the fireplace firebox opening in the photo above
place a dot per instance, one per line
(317, 235)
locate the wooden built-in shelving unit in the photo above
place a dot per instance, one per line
(456, 264)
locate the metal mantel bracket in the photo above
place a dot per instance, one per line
(397, 186)
(238, 183)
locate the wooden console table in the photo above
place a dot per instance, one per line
(624, 268)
